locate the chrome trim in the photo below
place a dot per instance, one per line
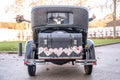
(60, 58)
(78, 60)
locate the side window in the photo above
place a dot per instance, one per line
(60, 18)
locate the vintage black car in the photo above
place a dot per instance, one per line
(59, 36)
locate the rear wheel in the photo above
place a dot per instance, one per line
(31, 70)
(88, 68)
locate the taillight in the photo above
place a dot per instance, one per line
(25, 62)
(95, 63)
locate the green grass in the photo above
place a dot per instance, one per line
(105, 41)
(13, 45)
(10, 46)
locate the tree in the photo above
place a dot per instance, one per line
(17, 7)
(113, 6)
(114, 18)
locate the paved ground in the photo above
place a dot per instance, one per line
(108, 67)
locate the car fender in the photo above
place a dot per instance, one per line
(90, 43)
(28, 49)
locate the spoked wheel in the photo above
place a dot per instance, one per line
(31, 70)
(88, 68)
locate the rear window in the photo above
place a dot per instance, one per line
(60, 18)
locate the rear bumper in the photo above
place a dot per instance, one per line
(76, 60)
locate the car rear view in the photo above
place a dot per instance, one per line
(59, 36)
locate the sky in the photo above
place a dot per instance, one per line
(3, 16)
(97, 11)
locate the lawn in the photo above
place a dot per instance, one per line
(105, 41)
(13, 45)
(10, 46)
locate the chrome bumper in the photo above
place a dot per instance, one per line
(77, 60)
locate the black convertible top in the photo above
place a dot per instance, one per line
(39, 15)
